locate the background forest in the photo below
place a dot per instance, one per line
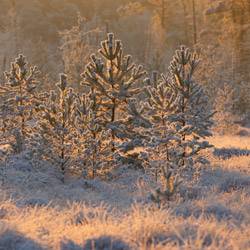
(59, 35)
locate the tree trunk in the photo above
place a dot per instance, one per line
(194, 22)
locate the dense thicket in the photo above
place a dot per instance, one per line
(117, 117)
(93, 131)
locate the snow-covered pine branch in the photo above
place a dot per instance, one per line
(20, 97)
(94, 142)
(192, 119)
(57, 133)
(160, 139)
(112, 78)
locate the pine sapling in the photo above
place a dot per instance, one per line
(113, 80)
(94, 142)
(192, 119)
(56, 127)
(20, 97)
(160, 105)
(164, 195)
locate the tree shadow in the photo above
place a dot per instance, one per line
(100, 243)
(227, 153)
(12, 240)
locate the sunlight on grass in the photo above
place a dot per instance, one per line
(211, 214)
(229, 141)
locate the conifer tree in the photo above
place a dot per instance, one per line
(136, 123)
(160, 105)
(56, 127)
(113, 80)
(94, 142)
(192, 119)
(160, 138)
(224, 117)
(161, 195)
(20, 98)
(176, 114)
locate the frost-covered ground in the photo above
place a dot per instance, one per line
(211, 210)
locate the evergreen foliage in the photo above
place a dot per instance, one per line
(90, 133)
(171, 185)
(192, 119)
(95, 143)
(176, 108)
(160, 105)
(224, 105)
(56, 127)
(113, 80)
(20, 98)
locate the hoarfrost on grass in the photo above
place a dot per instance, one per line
(212, 212)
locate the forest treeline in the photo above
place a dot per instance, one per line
(59, 36)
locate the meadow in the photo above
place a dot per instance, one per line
(106, 128)
(211, 209)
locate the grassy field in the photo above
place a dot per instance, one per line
(210, 211)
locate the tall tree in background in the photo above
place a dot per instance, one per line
(77, 45)
(224, 102)
(232, 19)
(226, 34)
(194, 21)
(4, 4)
(164, 32)
(14, 29)
(184, 5)
(42, 57)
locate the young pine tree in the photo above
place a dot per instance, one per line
(94, 141)
(56, 127)
(191, 118)
(20, 98)
(171, 184)
(160, 138)
(112, 79)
